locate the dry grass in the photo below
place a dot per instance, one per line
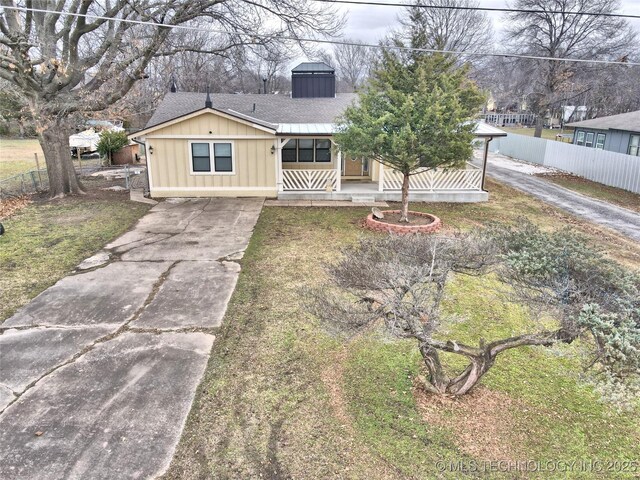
(17, 156)
(46, 239)
(284, 398)
(549, 134)
(484, 423)
(616, 196)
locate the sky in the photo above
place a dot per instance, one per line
(370, 23)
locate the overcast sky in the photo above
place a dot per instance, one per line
(370, 23)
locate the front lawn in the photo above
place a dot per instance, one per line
(45, 240)
(284, 397)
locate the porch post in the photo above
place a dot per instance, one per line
(484, 162)
(279, 144)
(381, 178)
(339, 170)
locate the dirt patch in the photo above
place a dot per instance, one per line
(481, 421)
(9, 206)
(332, 379)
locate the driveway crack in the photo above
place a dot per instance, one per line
(105, 338)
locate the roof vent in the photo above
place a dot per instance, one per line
(313, 80)
(174, 85)
(207, 103)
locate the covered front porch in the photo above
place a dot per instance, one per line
(312, 167)
(315, 169)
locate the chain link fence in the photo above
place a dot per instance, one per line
(37, 181)
(33, 181)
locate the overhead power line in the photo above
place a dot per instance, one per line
(480, 9)
(330, 42)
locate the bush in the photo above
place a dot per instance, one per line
(110, 142)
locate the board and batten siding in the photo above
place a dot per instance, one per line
(254, 163)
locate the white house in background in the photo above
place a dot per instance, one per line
(280, 146)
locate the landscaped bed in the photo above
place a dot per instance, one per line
(286, 397)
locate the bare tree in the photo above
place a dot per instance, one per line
(446, 29)
(564, 35)
(402, 282)
(66, 65)
(353, 63)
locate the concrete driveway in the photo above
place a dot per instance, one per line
(98, 373)
(521, 176)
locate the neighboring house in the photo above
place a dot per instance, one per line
(615, 133)
(279, 146)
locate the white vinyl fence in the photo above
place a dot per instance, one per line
(610, 168)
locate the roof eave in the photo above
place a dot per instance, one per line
(244, 118)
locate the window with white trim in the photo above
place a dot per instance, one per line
(580, 138)
(634, 146)
(600, 141)
(211, 158)
(589, 140)
(200, 157)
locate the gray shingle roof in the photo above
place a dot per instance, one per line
(312, 67)
(624, 121)
(269, 109)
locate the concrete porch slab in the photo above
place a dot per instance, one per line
(450, 196)
(322, 203)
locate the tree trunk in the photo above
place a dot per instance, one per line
(539, 124)
(54, 140)
(440, 383)
(404, 212)
(481, 359)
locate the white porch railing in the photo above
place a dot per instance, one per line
(435, 180)
(309, 179)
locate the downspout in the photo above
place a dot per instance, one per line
(484, 162)
(147, 167)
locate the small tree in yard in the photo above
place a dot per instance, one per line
(110, 142)
(416, 115)
(571, 290)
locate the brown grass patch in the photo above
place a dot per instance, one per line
(481, 421)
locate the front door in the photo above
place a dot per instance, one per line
(355, 167)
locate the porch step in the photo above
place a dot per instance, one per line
(363, 198)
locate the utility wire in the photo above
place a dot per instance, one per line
(330, 42)
(481, 9)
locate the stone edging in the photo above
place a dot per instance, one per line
(380, 226)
